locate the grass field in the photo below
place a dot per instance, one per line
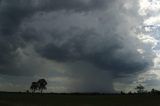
(20, 99)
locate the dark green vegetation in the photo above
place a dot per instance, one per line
(39, 85)
(22, 99)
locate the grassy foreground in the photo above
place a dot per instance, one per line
(20, 99)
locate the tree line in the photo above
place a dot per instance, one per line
(140, 90)
(40, 85)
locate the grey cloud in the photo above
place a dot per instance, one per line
(105, 55)
(13, 13)
(60, 31)
(102, 45)
(78, 5)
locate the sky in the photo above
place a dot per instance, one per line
(80, 45)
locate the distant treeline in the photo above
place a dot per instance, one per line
(94, 93)
(41, 85)
(144, 92)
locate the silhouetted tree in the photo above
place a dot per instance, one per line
(42, 84)
(122, 93)
(140, 88)
(153, 91)
(27, 91)
(130, 93)
(34, 86)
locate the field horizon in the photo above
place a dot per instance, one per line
(72, 99)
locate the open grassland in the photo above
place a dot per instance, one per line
(20, 99)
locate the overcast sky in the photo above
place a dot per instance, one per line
(79, 45)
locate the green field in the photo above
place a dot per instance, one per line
(20, 99)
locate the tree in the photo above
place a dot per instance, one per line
(153, 91)
(140, 88)
(42, 84)
(122, 93)
(34, 86)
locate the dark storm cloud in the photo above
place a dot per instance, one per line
(84, 41)
(5, 54)
(75, 5)
(13, 13)
(104, 55)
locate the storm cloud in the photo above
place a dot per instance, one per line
(87, 42)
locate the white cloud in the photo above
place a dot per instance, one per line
(148, 6)
(141, 51)
(155, 20)
(147, 39)
(144, 5)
